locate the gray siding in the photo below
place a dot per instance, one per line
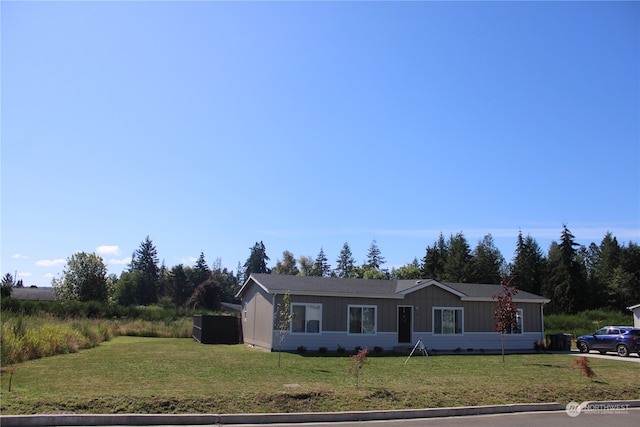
(478, 321)
(257, 323)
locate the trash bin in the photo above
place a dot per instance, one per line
(566, 342)
(559, 342)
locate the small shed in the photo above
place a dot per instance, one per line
(209, 329)
(636, 315)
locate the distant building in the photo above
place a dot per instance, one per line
(636, 315)
(34, 294)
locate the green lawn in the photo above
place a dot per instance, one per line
(158, 375)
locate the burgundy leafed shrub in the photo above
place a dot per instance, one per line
(583, 364)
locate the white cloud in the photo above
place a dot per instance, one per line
(50, 263)
(122, 261)
(24, 274)
(49, 276)
(18, 256)
(188, 260)
(108, 250)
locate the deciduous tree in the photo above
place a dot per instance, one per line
(84, 278)
(505, 312)
(288, 265)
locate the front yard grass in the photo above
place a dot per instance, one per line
(167, 375)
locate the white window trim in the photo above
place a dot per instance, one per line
(433, 321)
(313, 304)
(244, 311)
(520, 314)
(375, 319)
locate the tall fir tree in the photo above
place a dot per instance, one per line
(257, 261)
(374, 257)
(435, 259)
(321, 267)
(458, 262)
(201, 271)
(145, 261)
(567, 275)
(346, 262)
(487, 264)
(528, 270)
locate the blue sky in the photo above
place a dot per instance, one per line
(209, 126)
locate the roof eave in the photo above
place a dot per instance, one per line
(489, 299)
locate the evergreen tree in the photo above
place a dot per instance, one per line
(180, 287)
(435, 259)
(625, 283)
(529, 266)
(201, 271)
(321, 267)
(346, 262)
(567, 275)
(287, 265)
(6, 287)
(145, 261)
(374, 257)
(458, 262)
(487, 262)
(257, 261)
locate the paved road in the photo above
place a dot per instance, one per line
(622, 418)
(634, 357)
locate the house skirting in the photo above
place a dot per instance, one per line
(387, 341)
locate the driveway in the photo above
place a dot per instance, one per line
(633, 357)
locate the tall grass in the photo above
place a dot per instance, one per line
(585, 322)
(26, 337)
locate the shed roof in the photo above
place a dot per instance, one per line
(372, 288)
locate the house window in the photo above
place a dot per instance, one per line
(362, 319)
(448, 321)
(244, 311)
(306, 318)
(517, 328)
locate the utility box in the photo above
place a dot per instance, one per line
(209, 329)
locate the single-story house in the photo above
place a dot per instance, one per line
(350, 313)
(636, 315)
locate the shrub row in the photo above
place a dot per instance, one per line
(585, 322)
(93, 310)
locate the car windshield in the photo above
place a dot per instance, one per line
(602, 331)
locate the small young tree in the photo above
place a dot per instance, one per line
(505, 313)
(284, 316)
(358, 361)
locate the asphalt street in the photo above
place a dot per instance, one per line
(619, 418)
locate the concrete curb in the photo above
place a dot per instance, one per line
(298, 417)
(231, 419)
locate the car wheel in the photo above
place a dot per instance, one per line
(623, 351)
(583, 347)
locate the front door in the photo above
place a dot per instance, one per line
(404, 324)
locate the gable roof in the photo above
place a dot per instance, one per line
(373, 288)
